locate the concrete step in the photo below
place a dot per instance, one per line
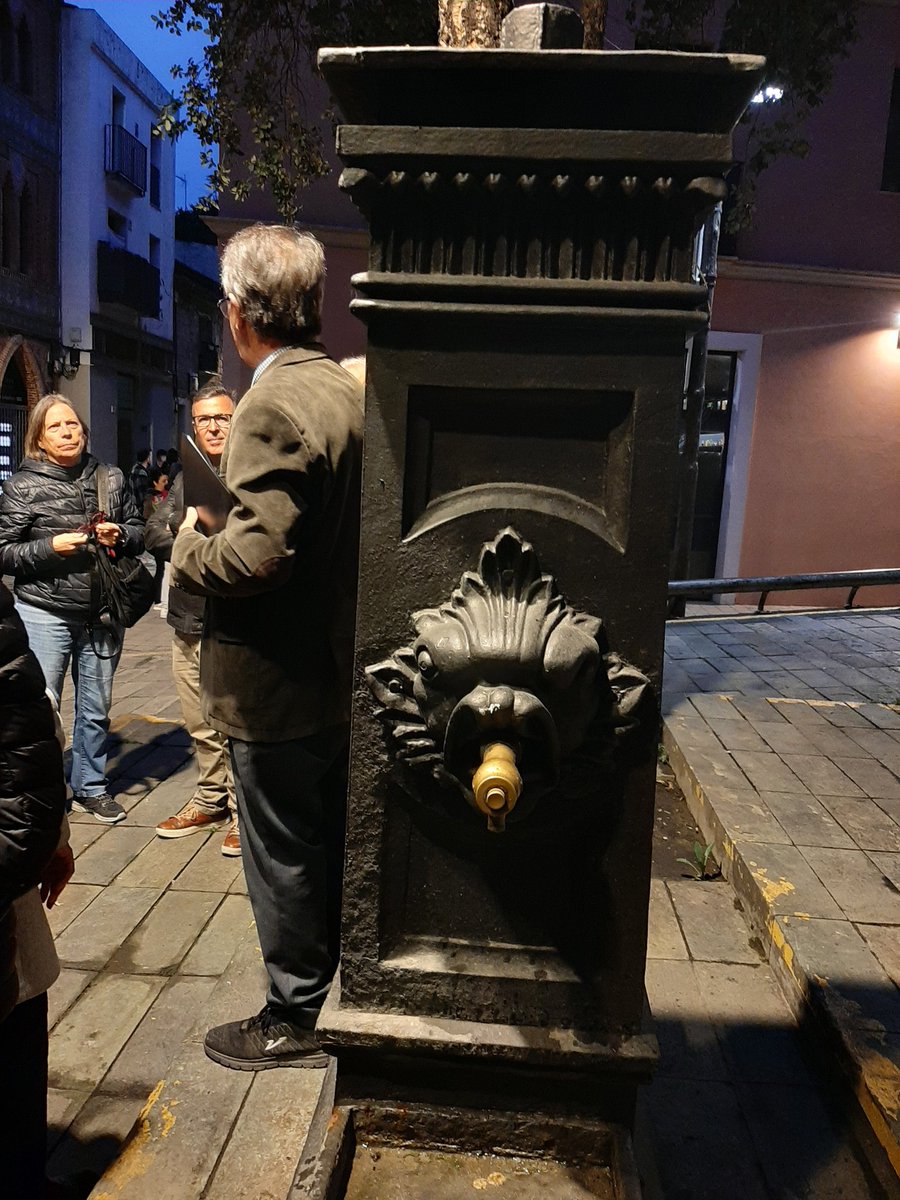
(838, 989)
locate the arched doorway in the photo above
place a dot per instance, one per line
(20, 388)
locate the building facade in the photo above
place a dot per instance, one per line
(198, 322)
(801, 435)
(29, 213)
(117, 243)
(801, 438)
(807, 310)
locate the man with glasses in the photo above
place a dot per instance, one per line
(212, 804)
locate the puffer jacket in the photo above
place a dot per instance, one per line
(185, 612)
(32, 787)
(42, 500)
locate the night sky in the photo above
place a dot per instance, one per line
(158, 50)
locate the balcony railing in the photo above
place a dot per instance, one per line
(125, 278)
(126, 158)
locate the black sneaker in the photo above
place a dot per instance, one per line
(101, 808)
(263, 1041)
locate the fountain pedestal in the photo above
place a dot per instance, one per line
(530, 294)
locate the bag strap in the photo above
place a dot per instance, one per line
(103, 489)
(117, 643)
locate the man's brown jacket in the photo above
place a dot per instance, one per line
(276, 656)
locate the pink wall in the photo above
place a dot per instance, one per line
(824, 469)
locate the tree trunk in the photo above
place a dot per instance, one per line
(593, 16)
(471, 22)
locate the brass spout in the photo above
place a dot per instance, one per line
(497, 784)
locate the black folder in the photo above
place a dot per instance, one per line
(204, 488)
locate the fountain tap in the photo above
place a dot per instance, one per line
(497, 784)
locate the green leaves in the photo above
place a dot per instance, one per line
(699, 865)
(255, 93)
(256, 96)
(802, 41)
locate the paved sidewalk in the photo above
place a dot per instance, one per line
(157, 941)
(784, 733)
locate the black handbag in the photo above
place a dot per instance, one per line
(127, 588)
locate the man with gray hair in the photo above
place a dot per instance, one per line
(276, 658)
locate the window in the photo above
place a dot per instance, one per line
(155, 159)
(9, 236)
(23, 45)
(7, 45)
(117, 223)
(26, 231)
(890, 178)
(118, 107)
(153, 251)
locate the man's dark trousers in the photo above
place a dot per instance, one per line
(291, 800)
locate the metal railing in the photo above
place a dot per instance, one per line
(126, 157)
(702, 589)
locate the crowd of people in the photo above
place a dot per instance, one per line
(262, 614)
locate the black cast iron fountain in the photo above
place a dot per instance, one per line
(530, 295)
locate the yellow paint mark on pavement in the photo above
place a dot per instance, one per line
(132, 1161)
(879, 1125)
(782, 945)
(877, 1077)
(495, 1179)
(772, 889)
(119, 723)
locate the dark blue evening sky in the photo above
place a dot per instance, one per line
(158, 50)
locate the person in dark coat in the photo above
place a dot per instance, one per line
(32, 808)
(47, 510)
(139, 479)
(212, 803)
(276, 656)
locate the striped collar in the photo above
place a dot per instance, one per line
(267, 362)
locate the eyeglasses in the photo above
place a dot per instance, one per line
(204, 422)
(222, 306)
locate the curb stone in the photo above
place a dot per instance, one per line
(859, 1039)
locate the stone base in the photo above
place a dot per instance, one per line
(401, 1058)
(420, 1152)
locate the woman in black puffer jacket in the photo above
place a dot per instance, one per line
(44, 508)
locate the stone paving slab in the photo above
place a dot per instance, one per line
(95, 935)
(809, 841)
(140, 957)
(89, 1037)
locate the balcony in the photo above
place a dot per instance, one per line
(125, 278)
(126, 158)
